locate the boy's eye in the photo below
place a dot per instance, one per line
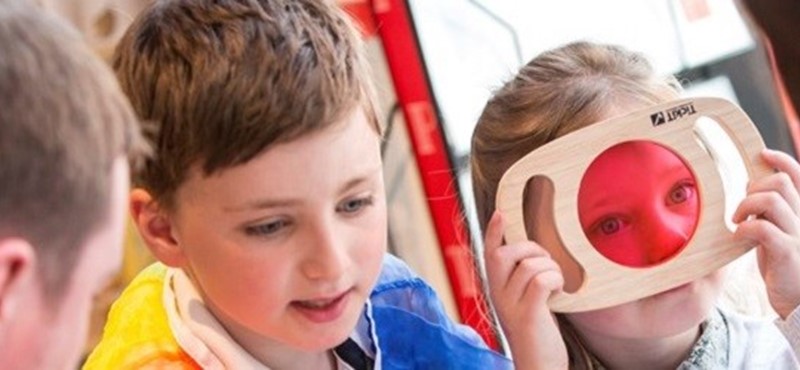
(681, 193)
(354, 205)
(268, 228)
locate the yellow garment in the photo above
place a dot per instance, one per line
(137, 334)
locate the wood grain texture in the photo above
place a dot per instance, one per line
(563, 161)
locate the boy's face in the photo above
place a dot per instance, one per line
(288, 246)
(52, 335)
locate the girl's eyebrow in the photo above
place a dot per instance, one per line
(675, 167)
(598, 210)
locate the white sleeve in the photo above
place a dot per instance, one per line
(790, 327)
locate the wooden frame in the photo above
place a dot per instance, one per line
(563, 161)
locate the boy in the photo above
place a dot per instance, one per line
(265, 201)
(65, 129)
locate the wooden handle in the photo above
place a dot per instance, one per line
(601, 282)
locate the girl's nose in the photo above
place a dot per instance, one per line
(667, 233)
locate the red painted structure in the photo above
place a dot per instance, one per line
(392, 22)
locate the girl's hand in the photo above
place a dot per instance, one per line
(775, 202)
(521, 277)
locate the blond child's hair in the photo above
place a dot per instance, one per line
(556, 93)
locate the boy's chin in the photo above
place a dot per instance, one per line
(321, 342)
(326, 336)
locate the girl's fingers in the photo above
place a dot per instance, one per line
(780, 183)
(783, 162)
(494, 233)
(502, 259)
(543, 285)
(762, 232)
(497, 269)
(769, 206)
(526, 277)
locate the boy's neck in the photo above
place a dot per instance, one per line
(657, 353)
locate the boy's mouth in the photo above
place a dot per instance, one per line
(323, 309)
(318, 303)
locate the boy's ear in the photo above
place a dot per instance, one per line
(155, 227)
(17, 269)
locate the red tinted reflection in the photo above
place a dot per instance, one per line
(638, 204)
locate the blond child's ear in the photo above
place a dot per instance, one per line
(155, 227)
(17, 272)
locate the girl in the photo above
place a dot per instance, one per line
(568, 88)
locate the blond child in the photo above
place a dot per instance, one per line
(265, 202)
(571, 87)
(65, 131)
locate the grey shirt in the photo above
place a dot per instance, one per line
(733, 341)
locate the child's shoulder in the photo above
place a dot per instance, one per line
(757, 343)
(396, 274)
(147, 340)
(402, 291)
(399, 287)
(400, 294)
(414, 331)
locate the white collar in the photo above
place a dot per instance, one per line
(200, 334)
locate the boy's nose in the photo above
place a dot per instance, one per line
(326, 255)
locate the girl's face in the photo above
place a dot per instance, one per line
(287, 247)
(638, 205)
(659, 316)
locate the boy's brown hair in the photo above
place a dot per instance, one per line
(221, 81)
(63, 123)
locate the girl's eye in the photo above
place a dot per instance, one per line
(354, 205)
(610, 225)
(681, 193)
(266, 229)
